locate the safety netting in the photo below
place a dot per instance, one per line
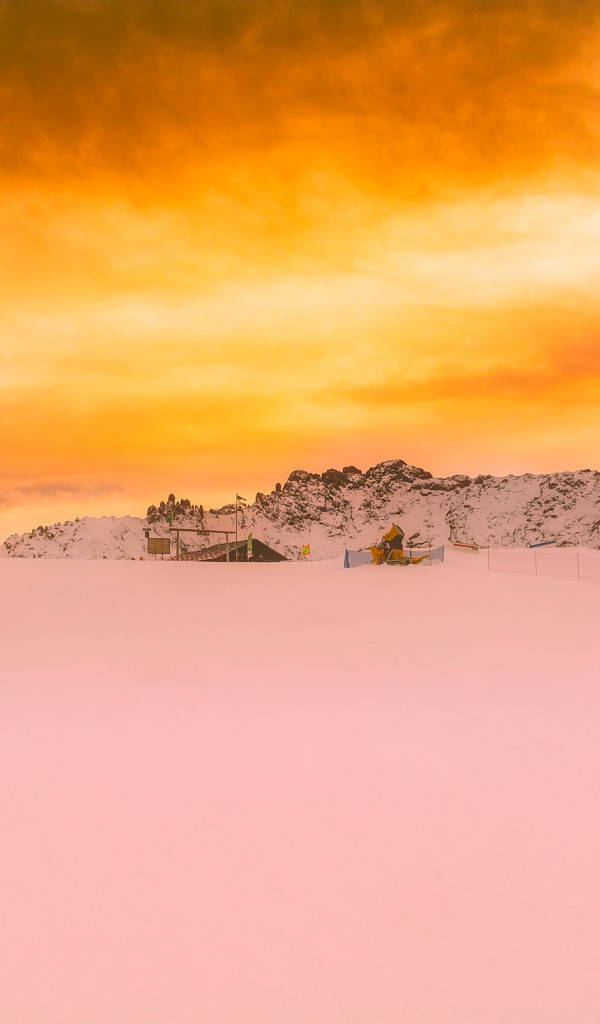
(511, 560)
(589, 566)
(436, 554)
(546, 561)
(354, 558)
(550, 562)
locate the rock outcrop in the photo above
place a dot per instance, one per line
(349, 508)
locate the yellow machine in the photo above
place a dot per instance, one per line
(391, 551)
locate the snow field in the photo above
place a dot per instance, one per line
(298, 794)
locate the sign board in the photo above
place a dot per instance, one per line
(159, 545)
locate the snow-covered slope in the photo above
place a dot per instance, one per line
(349, 508)
(107, 537)
(366, 795)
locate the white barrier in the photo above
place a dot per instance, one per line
(589, 567)
(559, 562)
(511, 560)
(354, 558)
(564, 562)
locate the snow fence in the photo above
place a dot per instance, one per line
(354, 558)
(549, 562)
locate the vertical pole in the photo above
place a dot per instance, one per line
(226, 545)
(177, 555)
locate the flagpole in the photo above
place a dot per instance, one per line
(238, 498)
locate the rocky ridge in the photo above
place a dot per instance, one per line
(351, 508)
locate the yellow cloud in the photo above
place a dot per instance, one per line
(237, 234)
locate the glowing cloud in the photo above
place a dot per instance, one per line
(236, 236)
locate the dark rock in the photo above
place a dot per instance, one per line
(300, 476)
(333, 477)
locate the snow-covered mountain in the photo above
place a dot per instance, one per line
(349, 508)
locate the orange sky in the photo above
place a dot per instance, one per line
(240, 237)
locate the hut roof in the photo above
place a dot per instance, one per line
(216, 552)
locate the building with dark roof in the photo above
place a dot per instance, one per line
(238, 552)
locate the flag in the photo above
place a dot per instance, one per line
(305, 550)
(240, 501)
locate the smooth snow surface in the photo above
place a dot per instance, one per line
(298, 794)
